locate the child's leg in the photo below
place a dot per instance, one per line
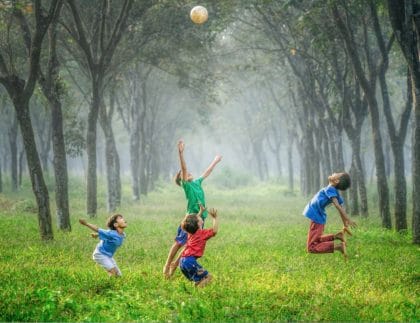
(342, 248)
(205, 281)
(180, 240)
(194, 271)
(317, 242)
(172, 253)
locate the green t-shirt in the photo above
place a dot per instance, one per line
(195, 196)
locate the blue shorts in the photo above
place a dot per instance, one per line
(192, 269)
(182, 236)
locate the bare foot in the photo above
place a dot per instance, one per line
(205, 281)
(340, 236)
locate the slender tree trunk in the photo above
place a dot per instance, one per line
(92, 203)
(60, 167)
(290, 161)
(135, 160)
(13, 130)
(111, 157)
(416, 157)
(35, 171)
(1, 178)
(354, 196)
(21, 166)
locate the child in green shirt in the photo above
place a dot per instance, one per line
(194, 194)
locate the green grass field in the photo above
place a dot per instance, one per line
(261, 270)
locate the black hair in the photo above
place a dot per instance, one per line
(344, 182)
(178, 178)
(190, 223)
(112, 220)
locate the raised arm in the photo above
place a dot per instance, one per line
(213, 214)
(90, 226)
(184, 174)
(213, 164)
(202, 209)
(346, 220)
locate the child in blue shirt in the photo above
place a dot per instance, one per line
(315, 210)
(110, 241)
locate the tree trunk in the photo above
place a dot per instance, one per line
(290, 161)
(92, 180)
(21, 166)
(1, 178)
(405, 21)
(416, 157)
(60, 167)
(354, 197)
(361, 181)
(111, 157)
(13, 130)
(35, 171)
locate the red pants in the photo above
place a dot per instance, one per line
(318, 243)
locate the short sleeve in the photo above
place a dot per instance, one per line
(332, 192)
(207, 233)
(200, 180)
(104, 234)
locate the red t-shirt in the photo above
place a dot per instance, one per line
(197, 242)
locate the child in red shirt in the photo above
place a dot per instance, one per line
(195, 246)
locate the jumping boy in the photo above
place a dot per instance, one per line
(315, 211)
(196, 243)
(110, 241)
(194, 194)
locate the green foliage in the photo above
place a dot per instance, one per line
(261, 270)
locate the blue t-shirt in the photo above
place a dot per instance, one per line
(110, 241)
(315, 210)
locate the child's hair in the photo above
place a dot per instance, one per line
(112, 220)
(190, 223)
(178, 178)
(344, 182)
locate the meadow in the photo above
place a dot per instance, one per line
(258, 260)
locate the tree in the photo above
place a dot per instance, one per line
(367, 82)
(20, 90)
(98, 44)
(405, 21)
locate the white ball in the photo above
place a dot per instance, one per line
(199, 15)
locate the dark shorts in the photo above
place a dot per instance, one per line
(192, 269)
(182, 236)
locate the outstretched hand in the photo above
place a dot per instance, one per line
(202, 207)
(213, 213)
(181, 146)
(82, 221)
(350, 223)
(217, 158)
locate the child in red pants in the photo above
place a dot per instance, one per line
(315, 211)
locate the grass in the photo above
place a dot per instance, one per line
(261, 270)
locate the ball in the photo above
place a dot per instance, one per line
(199, 15)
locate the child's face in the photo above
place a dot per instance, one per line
(120, 223)
(334, 178)
(189, 177)
(200, 221)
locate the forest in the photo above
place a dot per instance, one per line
(94, 96)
